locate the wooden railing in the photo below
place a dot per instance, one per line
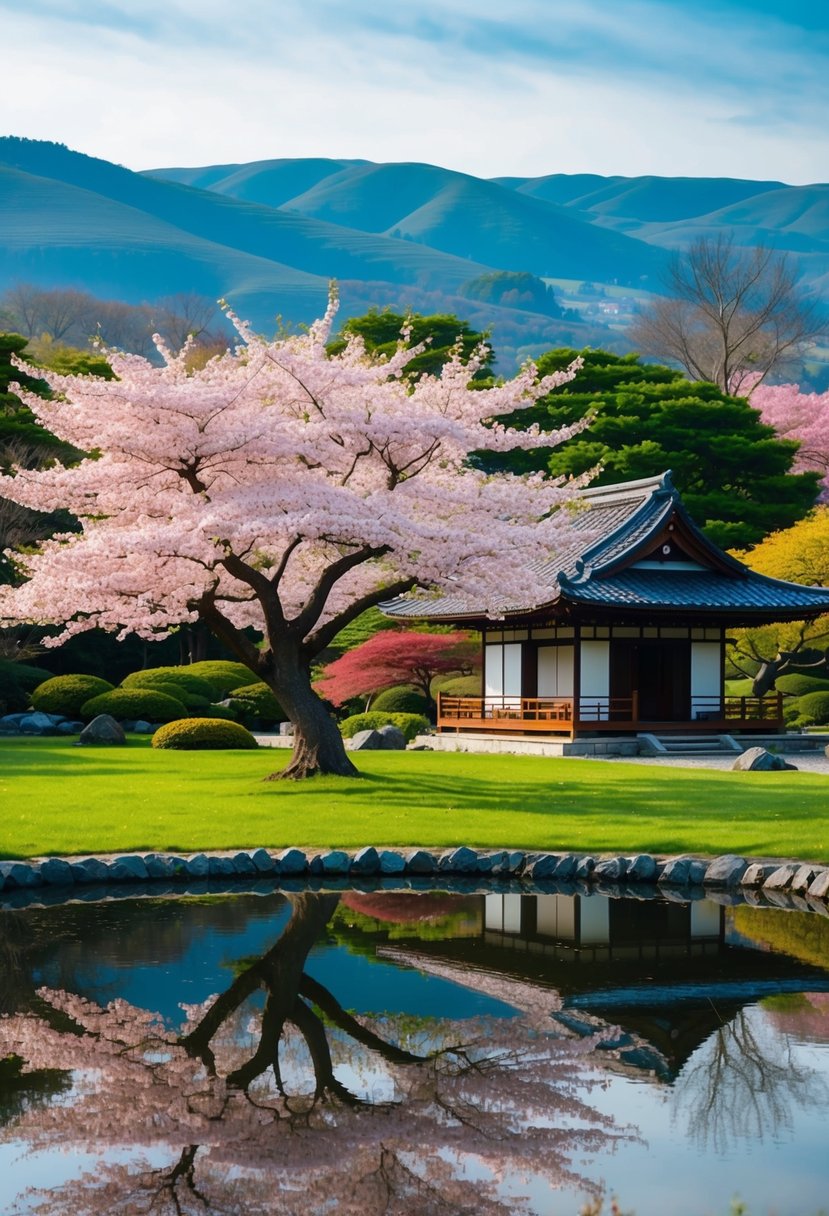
(566, 715)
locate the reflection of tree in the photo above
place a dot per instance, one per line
(744, 1084)
(297, 1105)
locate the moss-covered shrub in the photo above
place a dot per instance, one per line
(460, 686)
(798, 684)
(256, 701)
(410, 724)
(813, 709)
(199, 734)
(181, 678)
(223, 674)
(66, 694)
(213, 711)
(23, 675)
(147, 704)
(402, 699)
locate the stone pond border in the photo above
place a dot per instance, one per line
(727, 879)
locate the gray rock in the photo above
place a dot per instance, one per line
(198, 866)
(315, 868)
(37, 724)
(759, 760)
(57, 873)
(102, 730)
(512, 863)
(118, 872)
(485, 863)
(286, 728)
(393, 738)
(803, 879)
(220, 867)
(20, 874)
(136, 865)
(391, 862)
(158, 866)
(243, 864)
(420, 862)
(366, 741)
(819, 889)
(178, 868)
(91, 870)
(143, 728)
(697, 871)
(757, 873)
(291, 861)
(70, 728)
(566, 867)
(365, 861)
(781, 878)
(676, 872)
(263, 862)
(613, 869)
(585, 867)
(725, 871)
(335, 862)
(641, 868)
(13, 720)
(543, 866)
(459, 861)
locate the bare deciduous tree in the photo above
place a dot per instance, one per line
(732, 314)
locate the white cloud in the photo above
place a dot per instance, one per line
(635, 87)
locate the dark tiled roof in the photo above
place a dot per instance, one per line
(621, 523)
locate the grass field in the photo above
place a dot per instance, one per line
(59, 799)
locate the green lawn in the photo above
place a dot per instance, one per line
(59, 799)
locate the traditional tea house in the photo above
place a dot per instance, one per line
(634, 635)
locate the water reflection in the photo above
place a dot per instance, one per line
(392, 1052)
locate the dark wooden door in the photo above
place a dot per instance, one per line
(658, 672)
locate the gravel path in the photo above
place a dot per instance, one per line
(809, 762)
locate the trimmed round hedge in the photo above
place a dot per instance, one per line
(223, 674)
(410, 724)
(797, 684)
(256, 701)
(201, 734)
(180, 677)
(461, 686)
(66, 694)
(401, 699)
(133, 703)
(813, 709)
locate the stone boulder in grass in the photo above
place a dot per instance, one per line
(102, 731)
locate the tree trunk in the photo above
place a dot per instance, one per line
(318, 744)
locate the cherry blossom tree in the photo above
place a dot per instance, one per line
(280, 489)
(800, 416)
(288, 1106)
(401, 656)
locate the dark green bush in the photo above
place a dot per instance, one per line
(22, 675)
(253, 701)
(402, 699)
(181, 678)
(461, 686)
(813, 709)
(198, 734)
(799, 684)
(223, 674)
(13, 697)
(147, 704)
(410, 724)
(225, 712)
(66, 694)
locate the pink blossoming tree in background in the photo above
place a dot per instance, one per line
(285, 490)
(800, 416)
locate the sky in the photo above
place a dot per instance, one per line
(736, 88)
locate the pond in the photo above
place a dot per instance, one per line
(412, 1051)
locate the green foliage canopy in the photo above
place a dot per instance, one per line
(733, 472)
(381, 333)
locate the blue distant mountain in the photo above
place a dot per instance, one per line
(271, 234)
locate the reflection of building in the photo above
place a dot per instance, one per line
(634, 633)
(669, 974)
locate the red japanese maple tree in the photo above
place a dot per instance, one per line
(398, 657)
